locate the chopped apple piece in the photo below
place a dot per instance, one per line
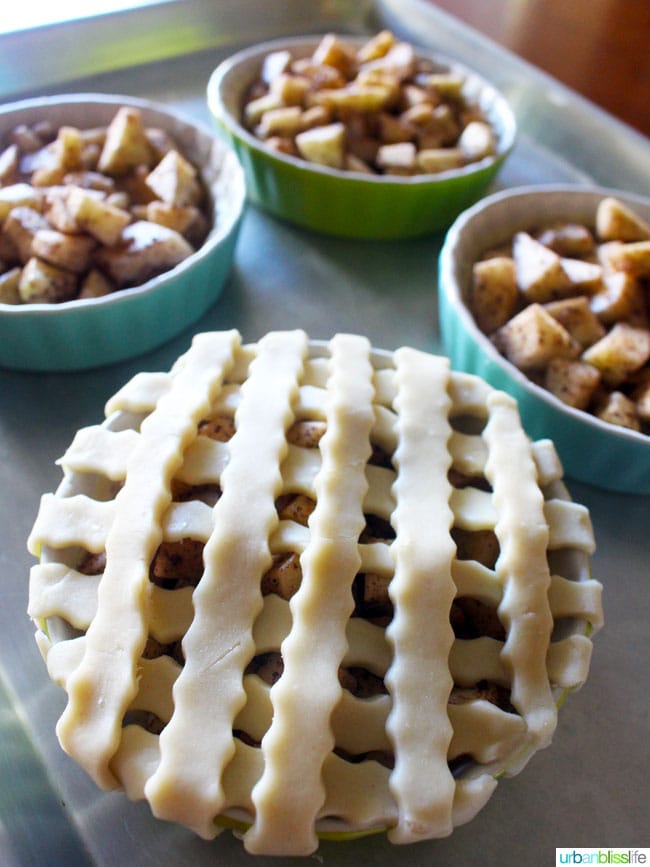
(333, 51)
(397, 158)
(584, 276)
(17, 195)
(618, 409)
(477, 141)
(574, 382)
(9, 286)
(174, 180)
(620, 352)
(45, 283)
(95, 216)
(617, 222)
(634, 258)
(95, 285)
(145, 249)
(532, 337)
(494, 293)
(72, 252)
(285, 121)
(324, 145)
(126, 144)
(432, 160)
(577, 316)
(68, 148)
(275, 64)
(290, 89)
(571, 240)
(377, 46)
(622, 298)
(9, 159)
(20, 226)
(540, 274)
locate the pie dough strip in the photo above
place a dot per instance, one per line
(105, 682)
(468, 453)
(289, 536)
(481, 729)
(475, 659)
(310, 403)
(383, 432)
(157, 677)
(379, 499)
(140, 394)
(577, 599)
(170, 613)
(56, 590)
(569, 526)
(366, 644)
(290, 793)
(472, 509)
(204, 462)
(187, 785)
(568, 661)
(357, 791)
(193, 518)
(422, 591)
(484, 731)
(63, 522)
(358, 794)
(547, 461)
(63, 657)
(97, 449)
(474, 579)
(469, 394)
(522, 566)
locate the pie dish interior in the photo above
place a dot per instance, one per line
(303, 588)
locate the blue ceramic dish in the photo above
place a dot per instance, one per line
(591, 450)
(83, 334)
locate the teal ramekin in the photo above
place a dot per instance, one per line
(591, 450)
(94, 332)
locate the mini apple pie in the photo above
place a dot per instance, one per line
(296, 588)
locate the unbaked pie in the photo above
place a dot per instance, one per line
(299, 587)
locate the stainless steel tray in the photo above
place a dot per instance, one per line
(576, 794)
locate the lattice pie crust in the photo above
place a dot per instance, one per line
(350, 608)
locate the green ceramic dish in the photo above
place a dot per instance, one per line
(591, 450)
(346, 203)
(75, 335)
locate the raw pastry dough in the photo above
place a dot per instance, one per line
(352, 631)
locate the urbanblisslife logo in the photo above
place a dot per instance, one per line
(602, 855)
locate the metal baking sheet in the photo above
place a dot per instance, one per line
(590, 788)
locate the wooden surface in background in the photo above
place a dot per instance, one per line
(599, 48)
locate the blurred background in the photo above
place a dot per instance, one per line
(600, 48)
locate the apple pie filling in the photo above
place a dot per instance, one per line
(310, 587)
